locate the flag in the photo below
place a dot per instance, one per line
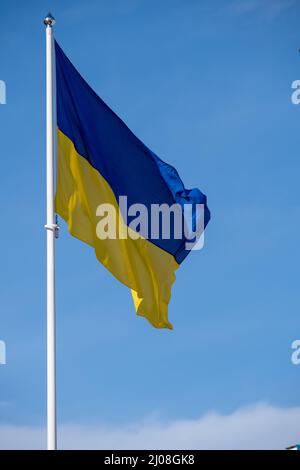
(100, 162)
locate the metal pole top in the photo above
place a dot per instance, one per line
(49, 20)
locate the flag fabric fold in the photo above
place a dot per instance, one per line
(100, 160)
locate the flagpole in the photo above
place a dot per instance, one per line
(51, 230)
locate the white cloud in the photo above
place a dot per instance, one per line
(255, 427)
(267, 8)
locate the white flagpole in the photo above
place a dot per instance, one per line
(51, 228)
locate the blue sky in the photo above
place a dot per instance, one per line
(207, 86)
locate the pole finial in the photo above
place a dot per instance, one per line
(49, 20)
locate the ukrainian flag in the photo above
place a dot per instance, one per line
(98, 160)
